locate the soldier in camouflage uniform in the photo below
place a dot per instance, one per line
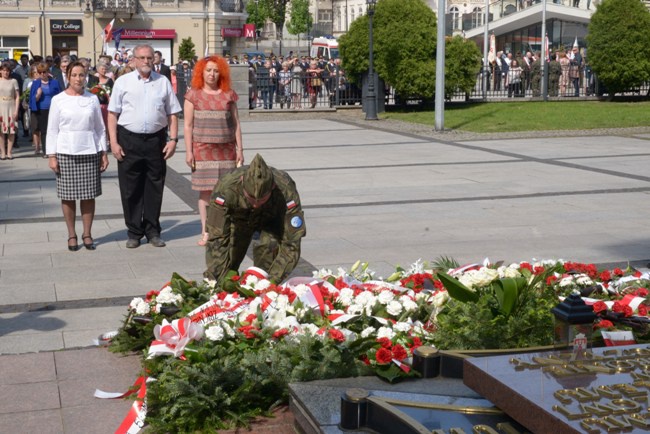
(536, 76)
(254, 198)
(554, 73)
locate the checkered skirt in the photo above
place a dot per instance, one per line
(79, 177)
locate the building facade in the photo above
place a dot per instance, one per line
(57, 27)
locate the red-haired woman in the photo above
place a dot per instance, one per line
(212, 130)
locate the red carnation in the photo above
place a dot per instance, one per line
(550, 280)
(526, 266)
(384, 342)
(250, 319)
(337, 335)
(399, 352)
(383, 356)
(604, 324)
(416, 343)
(280, 333)
(627, 311)
(642, 310)
(641, 292)
(365, 359)
(248, 331)
(618, 307)
(235, 278)
(637, 274)
(618, 272)
(606, 276)
(599, 306)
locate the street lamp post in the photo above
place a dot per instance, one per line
(371, 98)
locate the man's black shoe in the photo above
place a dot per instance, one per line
(132, 243)
(157, 242)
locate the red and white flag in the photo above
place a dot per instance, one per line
(108, 35)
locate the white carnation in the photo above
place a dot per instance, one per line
(566, 281)
(262, 285)
(584, 280)
(385, 332)
(215, 333)
(365, 299)
(345, 296)
(508, 272)
(394, 308)
(408, 303)
(250, 281)
(211, 283)
(440, 298)
(167, 296)
(355, 309)
(367, 332)
(143, 308)
(385, 297)
(135, 302)
(402, 326)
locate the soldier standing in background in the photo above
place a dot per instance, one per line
(554, 73)
(536, 75)
(254, 198)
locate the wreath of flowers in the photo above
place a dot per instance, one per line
(347, 323)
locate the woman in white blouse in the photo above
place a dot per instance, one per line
(76, 147)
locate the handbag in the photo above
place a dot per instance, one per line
(316, 81)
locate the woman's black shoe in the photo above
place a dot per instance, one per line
(91, 244)
(75, 246)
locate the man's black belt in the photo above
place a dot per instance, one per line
(142, 135)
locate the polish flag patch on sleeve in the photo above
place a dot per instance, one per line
(220, 200)
(291, 204)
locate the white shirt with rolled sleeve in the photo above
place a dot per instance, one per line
(143, 105)
(75, 125)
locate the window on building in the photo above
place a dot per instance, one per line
(351, 14)
(477, 17)
(455, 18)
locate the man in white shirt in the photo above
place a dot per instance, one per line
(142, 106)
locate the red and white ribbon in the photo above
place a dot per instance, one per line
(171, 338)
(134, 420)
(105, 338)
(614, 339)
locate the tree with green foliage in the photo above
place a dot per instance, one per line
(261, 10)
(462, 64)
(186, 50)
(404, 46)
(300, 20)
(619, 44)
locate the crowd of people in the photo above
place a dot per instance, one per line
(568, 73)
(292, 82)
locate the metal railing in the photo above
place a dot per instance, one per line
(331, 90)
(563, 81)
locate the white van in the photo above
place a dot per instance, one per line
(326, 47)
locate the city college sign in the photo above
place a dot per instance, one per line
(66, 27)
